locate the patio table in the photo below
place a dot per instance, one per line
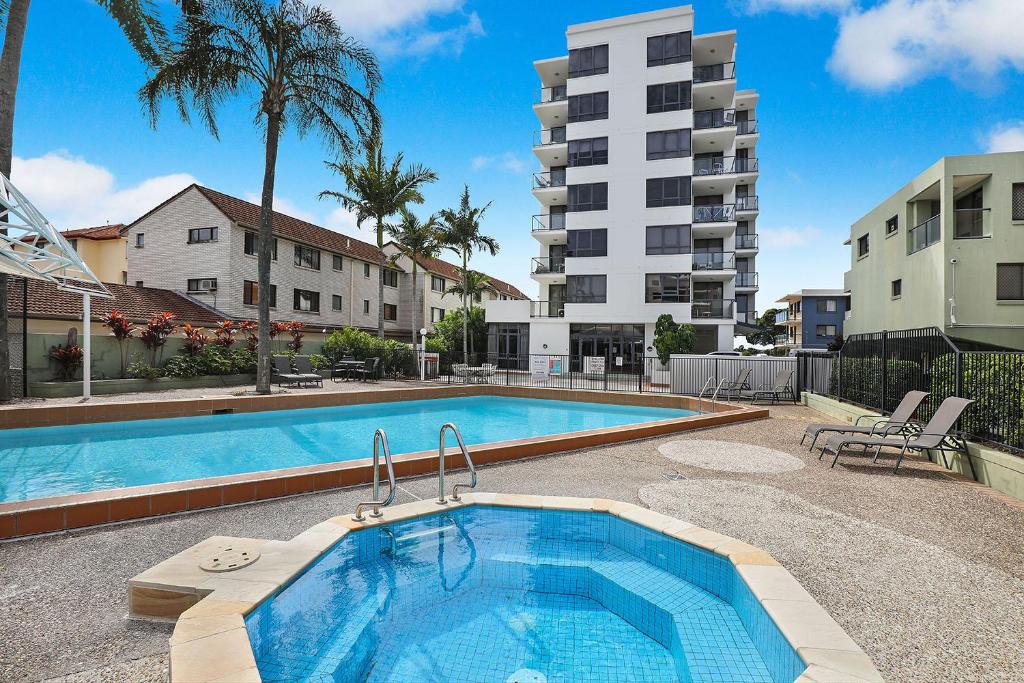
(344, 368)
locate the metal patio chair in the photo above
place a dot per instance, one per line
(897, 423)
(304, 367)
(283, 372)
(781, 387)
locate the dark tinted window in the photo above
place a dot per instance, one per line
(668, 49)
(668, 97)
(306, 300)
(307, 257)
(251, 242)
(586, 289)
(588, 107)
(667, 288)
(251, 294)
(336, 302)
(892, 225)
(668, 239)
(390, 277)
(587, 61)
(592, 242)
(1018, 201)
(202, 235)
(673, 191)
(337, 261)
(1010, 281)
(588, 197)
(589, 152)
(390, 312)
(668, 144)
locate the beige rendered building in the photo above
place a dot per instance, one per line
(946, 250)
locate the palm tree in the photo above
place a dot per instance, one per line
(141, 25)
(415, 238)
(472, 286)
(460, 233)
(376, 191)
(298, 63)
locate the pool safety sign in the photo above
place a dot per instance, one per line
(593, 365)
(539, 367)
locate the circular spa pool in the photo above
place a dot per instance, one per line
(517, 595)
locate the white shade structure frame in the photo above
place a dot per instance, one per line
(31, 247)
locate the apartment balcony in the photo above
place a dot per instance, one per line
(788, 318)
(550, 146)
(746, 204)
(547, 309)
(714, 213)
(713, 73)
(748, 127)
(549, 228)
(925, 234)
(713, 309)
(548, 270)
(746, 242)
(710, 266)
(782, 340)
(713, 85)
(746, 317)
(552, 107)
(714, 118)
(714, 166)
(970, 223)
(549, 188)
(746, 280)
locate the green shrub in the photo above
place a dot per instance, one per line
(318, 360)
(670, 337)
(862, 380)
(397, 358)
(140, 369)
(995, 381)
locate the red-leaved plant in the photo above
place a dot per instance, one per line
(156, 332)
(250, 328)
(195, 339)
(122, 329)
(297, 330)
(224, 334)
(69, 359)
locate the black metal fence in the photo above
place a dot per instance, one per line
(17, 336)
(876, 370)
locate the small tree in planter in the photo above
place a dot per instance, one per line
(224, 335)
(156, 332)
(670, 338)
(122, 329)
(250, 328)
(297, 331)
(195, 339)
(69, 359)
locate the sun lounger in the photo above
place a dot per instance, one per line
(897, 423)
(304, 367)
(283, 372)
(780, 388)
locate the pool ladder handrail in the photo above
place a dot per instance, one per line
(714, 397)
(380, 438)
(441, 455)
(700, 397)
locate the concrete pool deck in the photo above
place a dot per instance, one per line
(923, 569)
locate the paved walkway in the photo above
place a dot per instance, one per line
(923, 569)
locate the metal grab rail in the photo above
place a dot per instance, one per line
(441, 500)
(714, 397)
(379, 437)
(700, 396)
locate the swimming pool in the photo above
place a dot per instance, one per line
(528, 595)
(52, 461)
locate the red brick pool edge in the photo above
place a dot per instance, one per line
(47, 515)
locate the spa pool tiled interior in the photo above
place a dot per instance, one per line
(496, 587)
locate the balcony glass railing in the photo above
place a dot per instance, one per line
(746, 279)
(714, 213)
(747, 241)
(556, 93)
(549, 136)
(926, 234)
(713, 165)
(748, 127)
(746, 203)
(781, 317)
(711, 308)
(545, 265)
(549, 179)
(548, 221)
(714, 118)
(746, 165)
(714, 260)
(709, 73)
(781, 340)
(748, 317)
(547, 309)
(969, 223)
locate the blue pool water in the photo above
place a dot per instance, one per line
(53, 461)
(510, 595)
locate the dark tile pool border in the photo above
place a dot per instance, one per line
(75, 511)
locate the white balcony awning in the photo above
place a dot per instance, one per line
(31, 247)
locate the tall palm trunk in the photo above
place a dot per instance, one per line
(465, 306)
(380, 280)
(266, 238)
(415, 301)
(10, 66)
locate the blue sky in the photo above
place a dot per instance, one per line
(857, 97)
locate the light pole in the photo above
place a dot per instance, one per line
(423, 354)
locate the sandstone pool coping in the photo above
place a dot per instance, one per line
(210, 643)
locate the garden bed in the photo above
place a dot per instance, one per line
(122, 386)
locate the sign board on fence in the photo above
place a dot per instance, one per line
(539, 367)
(593, 365)
(554, 365)
(618, 361)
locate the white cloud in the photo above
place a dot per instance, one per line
(1007, 138)
(787, 237)
(73, 193)
(805, 6)
(899, 42)
(507, 162)
(285, 206)
(343, 220)
(408, 27)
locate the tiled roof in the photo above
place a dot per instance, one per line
(138, 304)
(103, 232)
(247, 213)
(453, 272)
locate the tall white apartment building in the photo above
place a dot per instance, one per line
(646, 194)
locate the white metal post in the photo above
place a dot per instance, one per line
(423, 354)
(86, 346)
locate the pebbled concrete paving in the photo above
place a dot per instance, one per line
(727, 456)
(925, 571)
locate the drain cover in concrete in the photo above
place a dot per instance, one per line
(726, 456)
(228, 558)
